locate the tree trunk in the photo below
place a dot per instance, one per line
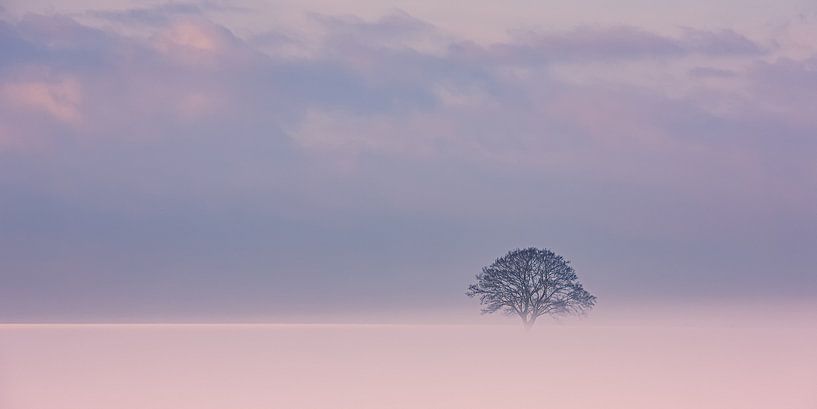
(527, 321)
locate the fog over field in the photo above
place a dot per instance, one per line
(654, 363)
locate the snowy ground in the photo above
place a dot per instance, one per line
(405, 366)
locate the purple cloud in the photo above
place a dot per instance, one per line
(710, 72)
(593, 43)
(162, 13)
(193, 161)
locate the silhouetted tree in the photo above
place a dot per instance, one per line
(530, 283)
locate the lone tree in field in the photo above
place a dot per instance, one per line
(530, 283)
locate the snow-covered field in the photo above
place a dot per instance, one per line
(406, 366)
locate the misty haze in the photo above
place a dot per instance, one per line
(408, 204)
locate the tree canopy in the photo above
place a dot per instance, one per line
(530, 283)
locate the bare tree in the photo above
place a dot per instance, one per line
(530, 283)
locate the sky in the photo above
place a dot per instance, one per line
(245, 161)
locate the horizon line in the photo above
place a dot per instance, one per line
(236, 324)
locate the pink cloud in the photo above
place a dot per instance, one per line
(199, 41)
(60, 99)
(191, 35)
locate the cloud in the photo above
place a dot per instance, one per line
(59, 99)
(785, 85)
(155, 15)
(709, 72)
(196, 35)
(392, 26)
(163, 13)
(394, 30)
(592, 43)
(151, 165)
(719, 43)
